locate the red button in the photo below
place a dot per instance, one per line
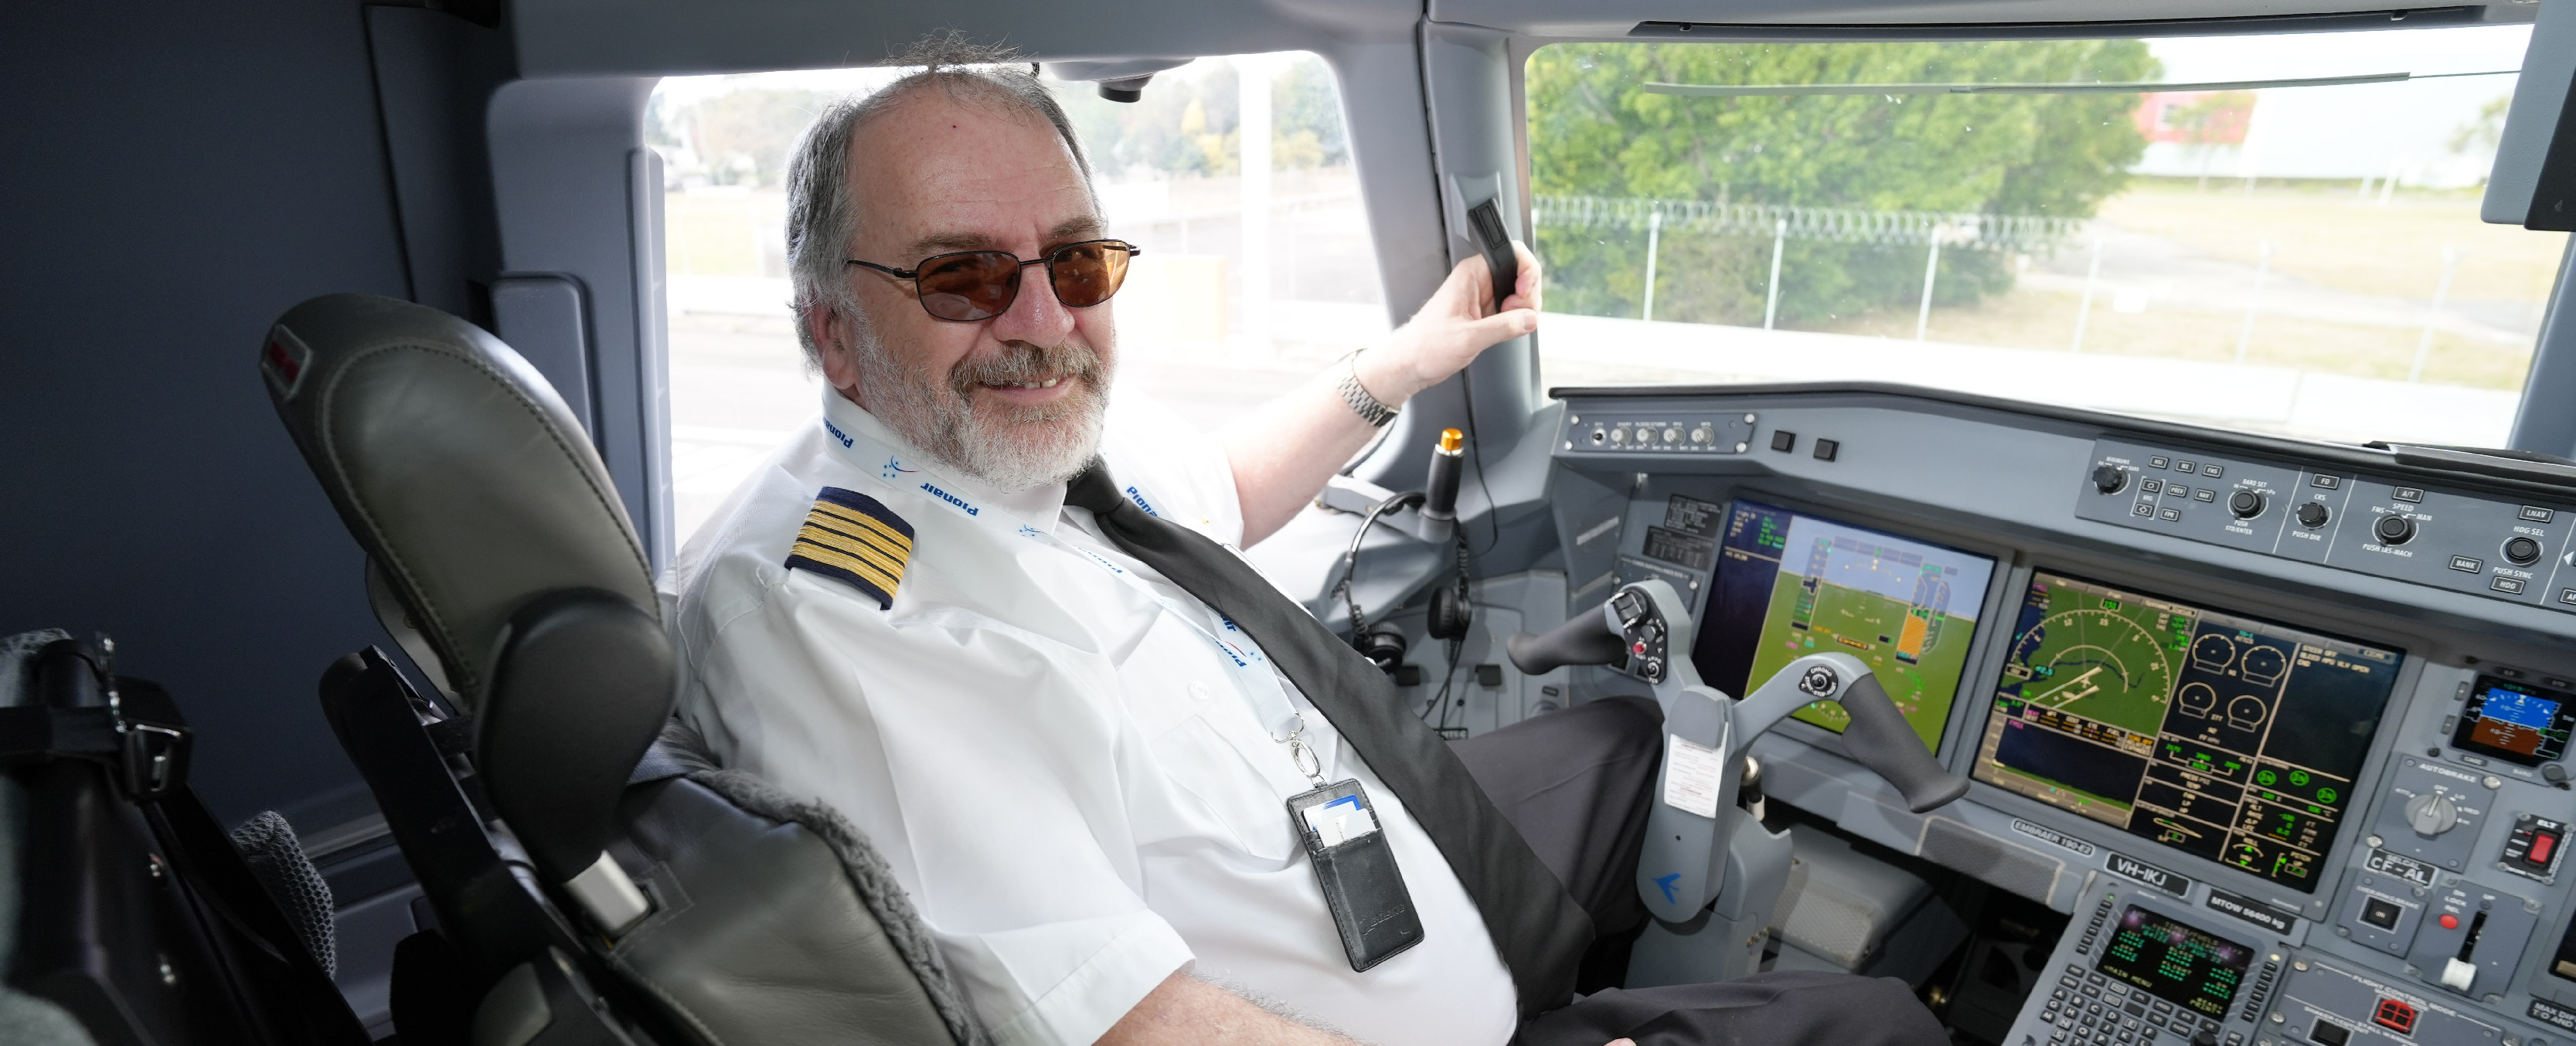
(1640, 647)
(2541, 847)
(2450, 922)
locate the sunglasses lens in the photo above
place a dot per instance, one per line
(974, 286)
(1086, 274)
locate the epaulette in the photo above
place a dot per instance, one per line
(853, 537)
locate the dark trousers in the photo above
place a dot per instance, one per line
(1578, 784)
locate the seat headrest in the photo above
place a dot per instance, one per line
(456, 466)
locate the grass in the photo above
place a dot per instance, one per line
(2324, 235)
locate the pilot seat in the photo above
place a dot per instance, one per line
(595, 877)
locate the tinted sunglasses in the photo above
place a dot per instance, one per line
(979, 285)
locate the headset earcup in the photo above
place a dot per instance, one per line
(1450, 614)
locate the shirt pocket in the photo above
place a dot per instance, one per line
(1241, 803)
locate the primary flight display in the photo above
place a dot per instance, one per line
(1790, 584)
(2222, 736)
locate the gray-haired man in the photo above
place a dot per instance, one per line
(1075, 767)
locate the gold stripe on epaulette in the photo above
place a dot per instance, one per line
(855, 538)
(816, 534)
(866, 570)
(902, 544)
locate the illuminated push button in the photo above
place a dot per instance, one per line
(2449, 921)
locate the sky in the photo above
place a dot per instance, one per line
(2360, 130)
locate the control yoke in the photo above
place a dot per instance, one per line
(1684, 866)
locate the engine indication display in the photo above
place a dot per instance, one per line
(2226, 737)
(2180, 964)
(1790, 584)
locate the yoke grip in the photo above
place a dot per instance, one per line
(1584, 639)
(1880, 739)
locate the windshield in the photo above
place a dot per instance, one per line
(2267, 233)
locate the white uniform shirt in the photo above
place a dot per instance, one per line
(1065, 776)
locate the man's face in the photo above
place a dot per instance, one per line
(1017, 399)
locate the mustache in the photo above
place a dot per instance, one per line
(1020, 362)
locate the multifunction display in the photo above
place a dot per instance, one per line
(2182, 965)
(2515, 722)
(2225, 737)
(1789, 585)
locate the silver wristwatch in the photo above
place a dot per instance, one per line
(1366, 406)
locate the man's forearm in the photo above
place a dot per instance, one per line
(1186, 1011)
(1283, 452)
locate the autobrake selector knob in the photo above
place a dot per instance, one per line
(2521, 551)
(2393, 529)
(2246, 504)
(2313, 515)
(2431, 814)
(2109, 479)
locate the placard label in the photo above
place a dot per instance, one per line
(2251, 910)
(2123, 864)
(2051, 835)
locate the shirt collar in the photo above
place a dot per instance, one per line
(1039, 506)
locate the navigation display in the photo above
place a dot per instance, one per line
(2515, 722)
(1790, 584)
(2180, 964)
(2221, 736)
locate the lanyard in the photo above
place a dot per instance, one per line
(1252, 672)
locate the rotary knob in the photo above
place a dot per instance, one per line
(2109, 480)
(2432, 814)
(2245, 504)
(2393, 529)
(2521, 551)
(1673, 435)
(2313, 515)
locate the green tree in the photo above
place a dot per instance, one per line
(1595, 130)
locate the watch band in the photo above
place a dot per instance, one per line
(1366, 406)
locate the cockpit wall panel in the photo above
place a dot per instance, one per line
(2285, 797)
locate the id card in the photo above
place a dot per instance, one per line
(1357, 871)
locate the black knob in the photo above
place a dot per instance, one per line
(2109, 479)
(2207, 1037)
(2313, 515)
(2246, 504)
(2521, 551)
(2393, 530)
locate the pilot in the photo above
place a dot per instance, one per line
(931, 610)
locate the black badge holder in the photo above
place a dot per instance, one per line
(1487, 220)
(1361, 882)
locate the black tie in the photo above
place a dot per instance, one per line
(1539, 929)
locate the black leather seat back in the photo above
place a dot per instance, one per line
(489, 515)
(456, 466)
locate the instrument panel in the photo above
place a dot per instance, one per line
(2295, 779)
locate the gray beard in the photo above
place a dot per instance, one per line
(1010, 447)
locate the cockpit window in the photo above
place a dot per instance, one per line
(2271, 233)
(1216, 315)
